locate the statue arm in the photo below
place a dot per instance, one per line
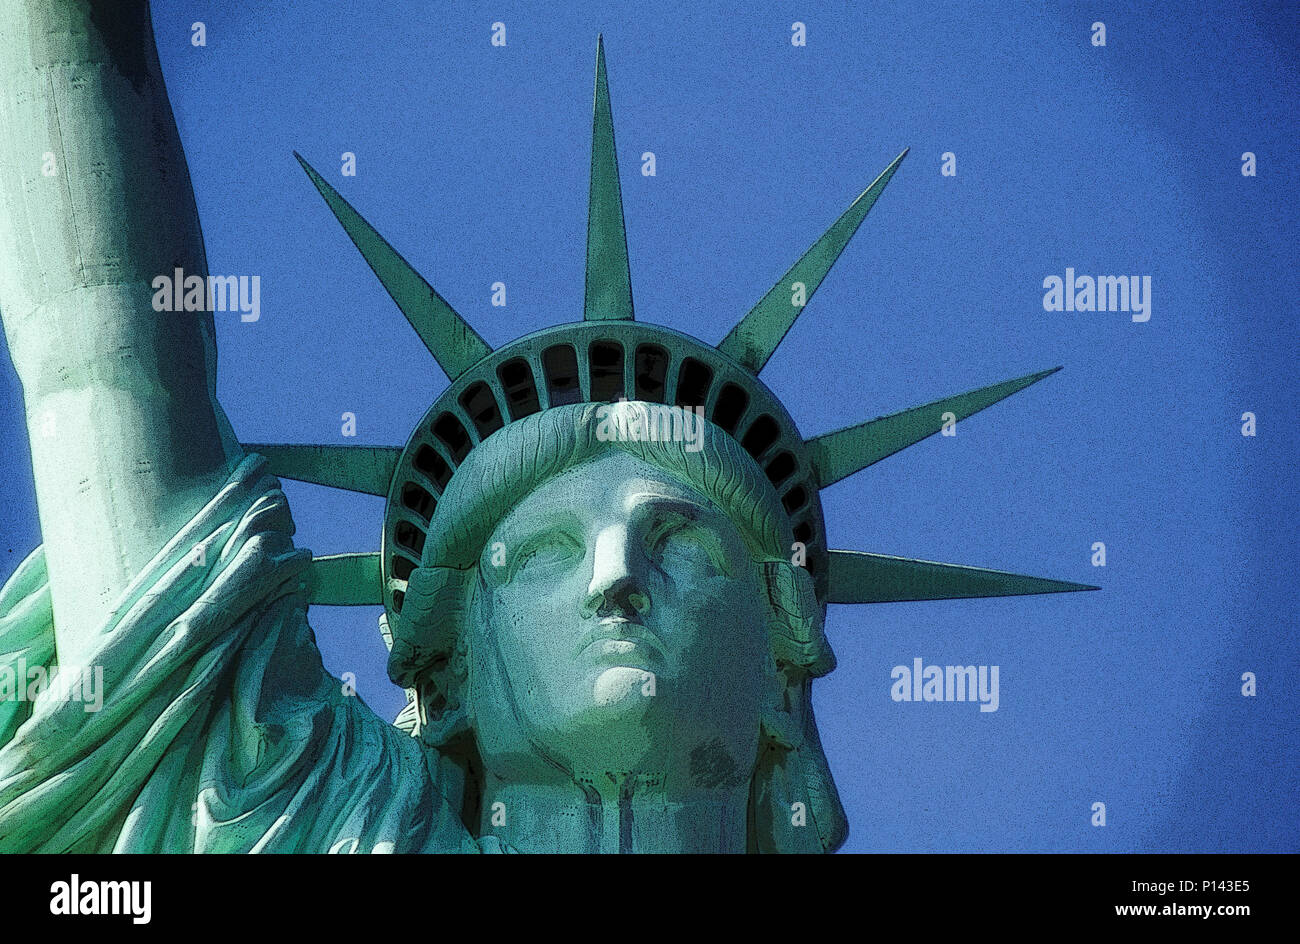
(216, 727)
(127, 439)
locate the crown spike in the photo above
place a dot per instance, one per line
(365, 469)
(858, 577)
(838, 455)
(609, 277)
(449, 338)
(346, 580)
(756, 337)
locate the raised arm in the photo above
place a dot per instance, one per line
(127, 438)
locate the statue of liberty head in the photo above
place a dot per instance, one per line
(604, 564)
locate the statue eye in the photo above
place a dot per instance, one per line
(682, 539)
(546, 552)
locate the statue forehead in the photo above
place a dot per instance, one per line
(613, 484)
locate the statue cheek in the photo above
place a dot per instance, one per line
(718, 626)
(719, 597)
(521, 640)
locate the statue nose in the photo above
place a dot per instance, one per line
(618, 586)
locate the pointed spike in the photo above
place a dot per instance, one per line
(453, 343)
(609, 277)
(366, 469)
(858, 577)
(839, 454)
(346, 580)
(756, 336)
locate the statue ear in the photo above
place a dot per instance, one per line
(441, 704)
(795, 619)
(427, 653)
(434, 608)
(794, 804)
(798, 649)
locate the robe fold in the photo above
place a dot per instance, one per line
(220, 730)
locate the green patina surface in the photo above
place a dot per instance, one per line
(561, 606)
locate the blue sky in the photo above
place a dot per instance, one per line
(1122, 160)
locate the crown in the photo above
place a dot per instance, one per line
(610, 355)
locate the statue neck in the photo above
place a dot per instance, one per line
(638, 818)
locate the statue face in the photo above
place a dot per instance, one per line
(620, 627)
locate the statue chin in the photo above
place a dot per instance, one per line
(617, 721)
(623, 686)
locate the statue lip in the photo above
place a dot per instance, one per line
(621, 629)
